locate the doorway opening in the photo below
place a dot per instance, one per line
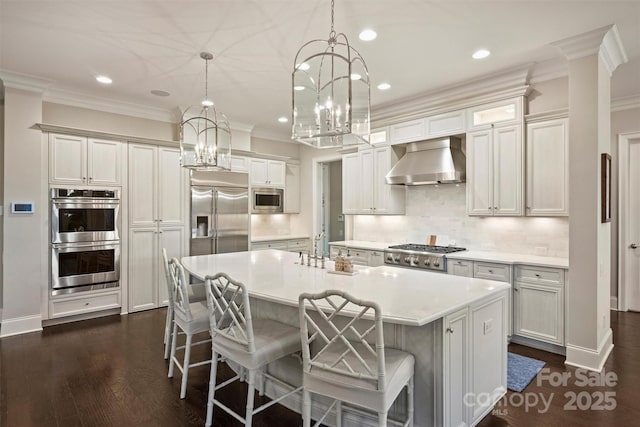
(330, 220)
(629, 222)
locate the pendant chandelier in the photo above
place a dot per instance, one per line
(330, 93)
(205, 136)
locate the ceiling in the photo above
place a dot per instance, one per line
(146, 45)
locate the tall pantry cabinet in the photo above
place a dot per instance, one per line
(157, 220)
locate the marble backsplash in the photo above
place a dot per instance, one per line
(270, 225)
(440, 210)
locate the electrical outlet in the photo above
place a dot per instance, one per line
(487, 326)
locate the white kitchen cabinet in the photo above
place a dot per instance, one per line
(267, 173)
(456, 368)
(291, 245)
(364, 189)
(292, 188)
(445, 124)
(79, 160)
(80, 303)
(157, 206)
(458, 267)
(367, 257)
(239, 164)
(548, 168)
(539, 304)
(471, 337)
(495, 171)
(499, 112)
(379, 136)
(413, 130)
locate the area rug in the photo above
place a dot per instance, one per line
(521, 370)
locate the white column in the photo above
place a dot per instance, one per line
(25, 173)
(592, 57)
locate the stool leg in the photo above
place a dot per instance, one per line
(382, 419)
(263, 371)
(167, 333)
(185, 366)
(212, 387)
(339, 413)
(306, 408)
(250, 393)
(173, 349)
(410, 402)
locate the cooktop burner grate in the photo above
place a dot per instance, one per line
(428, 248)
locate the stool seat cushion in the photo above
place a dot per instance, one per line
(199, 318)
(273, 340)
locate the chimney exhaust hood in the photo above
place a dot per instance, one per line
(436, 161)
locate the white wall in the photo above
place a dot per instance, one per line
(1, 198)
(83, 118)
(441, 211)
(548, 96)
(24, 172)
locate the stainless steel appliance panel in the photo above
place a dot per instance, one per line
(267, 200)
(202, 221)
(75, 221)
(84, 264)
(231, 219)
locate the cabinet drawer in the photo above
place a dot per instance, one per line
(549, 276)
(376, 258)
(298, 245)
(359, 256)
(458, 267)
(334, 250)
(80, 305)
(269, 245)
(499, 272)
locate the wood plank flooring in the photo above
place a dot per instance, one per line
(110, 372)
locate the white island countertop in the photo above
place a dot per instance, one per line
(406, 296)
(258, 239)
(362, 244)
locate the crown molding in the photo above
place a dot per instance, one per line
(625, 103)
(26, 82)
(494, 87)
(604, 41)
(549, 70)
(47, 127)
(561, 113)
(91, 102)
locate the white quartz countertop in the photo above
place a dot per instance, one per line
(505, 258)
(500, 257)
(278, 237)
(362, 244)
(406, 296)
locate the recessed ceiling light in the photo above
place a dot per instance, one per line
(304, 66)
(384, 86)
(368, 35)
(480, 53)
(298, 88)
(355, 76)
(157, 92)
(104, 80)
(283, 119)
(207, 103)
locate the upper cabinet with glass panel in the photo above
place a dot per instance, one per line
(486, 115)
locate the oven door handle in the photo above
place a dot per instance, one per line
(85, 245)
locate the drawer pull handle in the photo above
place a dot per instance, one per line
(537, 275)
(86, 303)
(490, 271)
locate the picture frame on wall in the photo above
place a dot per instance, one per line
(605, 172)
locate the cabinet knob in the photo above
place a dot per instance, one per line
(495, 207)
(489, 208)
(537, 275)
(450, 330)
(515, 289)
(86, 303)
(491, 271)
(633, 246)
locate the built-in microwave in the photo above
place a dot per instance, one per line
(267, 200)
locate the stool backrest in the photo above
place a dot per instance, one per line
(229, 310)
(180, 289)
(341, 339)
(167, 277)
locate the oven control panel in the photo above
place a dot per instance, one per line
(415, 260)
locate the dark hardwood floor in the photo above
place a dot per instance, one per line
(110, 372)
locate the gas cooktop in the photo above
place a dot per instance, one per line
(427, 248)
(429, 257)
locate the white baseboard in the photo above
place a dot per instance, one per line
(586, 358)
(20, 325)
(614, 303)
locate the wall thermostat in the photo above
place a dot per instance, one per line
(22, 207)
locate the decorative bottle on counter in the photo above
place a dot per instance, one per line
(339, 261)
(348, 263)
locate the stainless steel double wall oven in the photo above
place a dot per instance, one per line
(85, 240)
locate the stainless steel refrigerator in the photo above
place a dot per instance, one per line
(219, 212)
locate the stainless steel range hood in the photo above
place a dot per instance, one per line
(436, 161)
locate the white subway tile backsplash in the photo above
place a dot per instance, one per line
(440, 210)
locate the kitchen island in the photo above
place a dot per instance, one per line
(454, 326)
